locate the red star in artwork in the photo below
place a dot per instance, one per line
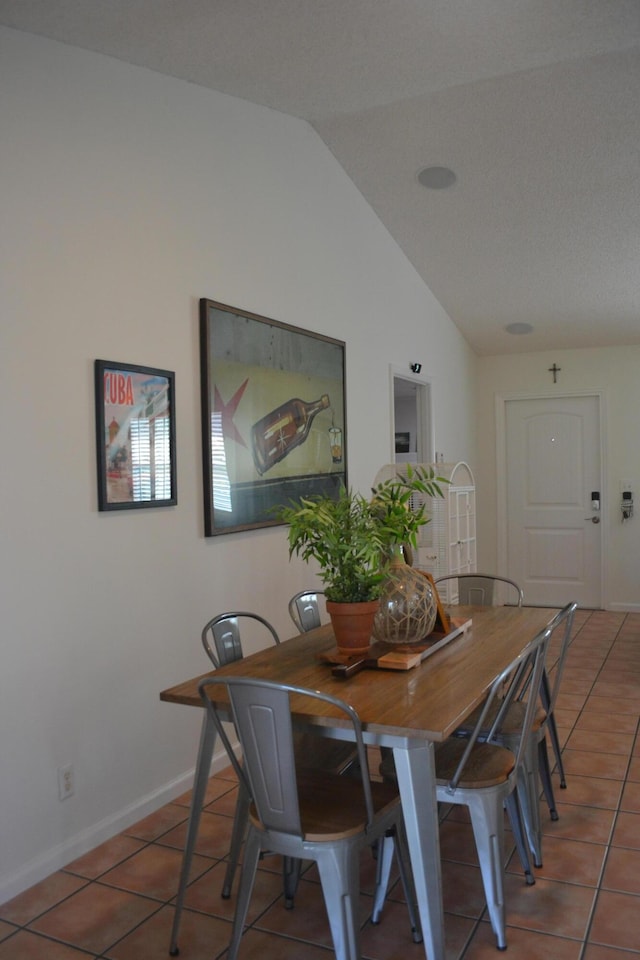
(227, 413)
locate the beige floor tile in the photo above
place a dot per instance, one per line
(392, 939)
(593, 792)
(592, 824)
(634, 769)
(549, 905)
(263, 945)
(522, 945)
(619, 691)
(214, 835)
(596, 952)
(616, 921)
(463, 893)
(622, 872)
(6, 929)
(603, 722)
(29, 946)
(158, 823)
(200, 938)
(601, 742)
(627, 831)
(631, 798)
(573, 861)
(153, 872)
(610, 705)
(95, 917)
(308, 920)
(42, 896)
(204, 894)
(217, 786)
(587, 763)
(457, 842)
(104, 857)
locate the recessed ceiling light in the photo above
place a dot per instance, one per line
(518, 328)
(437, 178)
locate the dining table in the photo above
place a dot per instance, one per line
(409, 711)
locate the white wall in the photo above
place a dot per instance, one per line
(612, 371)
(127, 196)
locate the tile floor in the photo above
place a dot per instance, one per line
(115, 903)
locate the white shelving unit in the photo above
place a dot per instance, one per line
(447, 544)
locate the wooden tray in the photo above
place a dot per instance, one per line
(388, 656)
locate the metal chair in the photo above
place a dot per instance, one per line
(221, 636)
(549, 695)
(222, 641)
(482, 774)
(483, 589)
(303, 815)
(304, 610)
(535, 758)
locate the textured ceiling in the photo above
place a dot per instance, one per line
(535, 104)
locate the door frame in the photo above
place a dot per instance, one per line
(501, 401)
(424, 411)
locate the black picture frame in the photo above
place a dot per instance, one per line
(273, 400)
(135, 436)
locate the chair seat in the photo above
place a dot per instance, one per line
(487, 766)
(512, 723)
(332, 807)
(315, 752)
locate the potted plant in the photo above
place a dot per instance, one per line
(354, 538)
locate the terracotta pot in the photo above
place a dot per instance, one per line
(352, 624)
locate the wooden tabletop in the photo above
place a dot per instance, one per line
(427, 702)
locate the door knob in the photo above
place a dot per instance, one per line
(593, 519)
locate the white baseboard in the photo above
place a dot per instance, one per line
(59, 856)
(624, 607)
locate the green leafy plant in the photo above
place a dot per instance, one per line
(352, 537)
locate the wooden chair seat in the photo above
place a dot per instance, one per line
(332, 807)
(512, 723)
(488, 765)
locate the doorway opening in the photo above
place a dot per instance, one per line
(412, 425)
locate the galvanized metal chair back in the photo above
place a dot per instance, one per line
(221, 636)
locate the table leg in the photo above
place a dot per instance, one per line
(203, 770)
(415, 769)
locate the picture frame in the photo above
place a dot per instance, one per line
(273, 417)
(135, 436)
(403, 441)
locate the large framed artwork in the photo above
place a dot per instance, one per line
(135, 436)
(273, 417)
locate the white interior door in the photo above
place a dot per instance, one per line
(552, 468)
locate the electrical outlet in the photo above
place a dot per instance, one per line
(66, 784)
(625, 486)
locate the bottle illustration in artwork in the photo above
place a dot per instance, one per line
(281, 431)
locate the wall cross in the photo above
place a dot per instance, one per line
(555, 370)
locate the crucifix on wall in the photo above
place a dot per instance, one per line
(555, 370)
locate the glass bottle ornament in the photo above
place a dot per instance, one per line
(408, 608)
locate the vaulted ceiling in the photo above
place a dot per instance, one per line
(534, 104)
